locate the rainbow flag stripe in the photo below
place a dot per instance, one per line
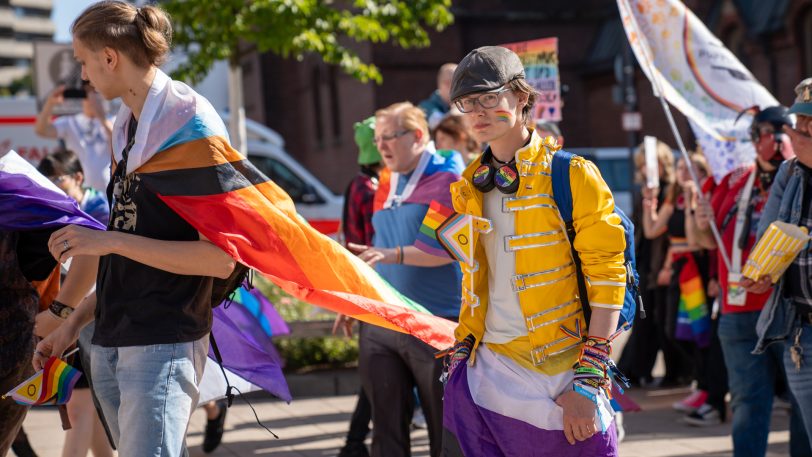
(427, 236)
(191, 166)
(53, 385)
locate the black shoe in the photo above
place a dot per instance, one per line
(354, 449)
(214, 430)
(705, 416)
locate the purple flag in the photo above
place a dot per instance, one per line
(243, 333)
(29, 201)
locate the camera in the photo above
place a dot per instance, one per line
(73, 92)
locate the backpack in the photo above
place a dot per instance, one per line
(562, 194)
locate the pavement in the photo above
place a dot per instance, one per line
(315, 427)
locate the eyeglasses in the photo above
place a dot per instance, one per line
(487, 100)
(59, 179)
(390, 137)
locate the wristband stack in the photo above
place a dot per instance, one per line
(456, 355)
(595, 371)
(592, 371)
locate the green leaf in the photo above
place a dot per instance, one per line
(212, 30)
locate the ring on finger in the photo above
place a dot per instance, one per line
(65, 245)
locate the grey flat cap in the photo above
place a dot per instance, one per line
(486, 68)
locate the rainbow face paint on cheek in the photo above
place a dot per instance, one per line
(503, 116)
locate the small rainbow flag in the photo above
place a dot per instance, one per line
(427, 236)
(693, 317)
(53, 385)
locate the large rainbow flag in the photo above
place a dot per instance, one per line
(182, 154)
(53, 385)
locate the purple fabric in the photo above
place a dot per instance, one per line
(26, 205)
(245, 343)
(483, 432)
(434, 187)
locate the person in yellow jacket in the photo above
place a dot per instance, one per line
(528, 376)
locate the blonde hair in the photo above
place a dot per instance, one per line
(700, 164)
(409, 117)
(665, 159)
(143, 34)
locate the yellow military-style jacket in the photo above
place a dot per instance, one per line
(545, 278)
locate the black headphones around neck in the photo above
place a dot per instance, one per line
(505, 177)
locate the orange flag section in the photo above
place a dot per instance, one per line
(255, 222)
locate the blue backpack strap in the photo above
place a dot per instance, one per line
(562, 194)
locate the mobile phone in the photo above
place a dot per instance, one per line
(74, 93)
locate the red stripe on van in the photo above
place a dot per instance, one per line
(18, 120)
(325, 226)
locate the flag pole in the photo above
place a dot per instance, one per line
(658, 92)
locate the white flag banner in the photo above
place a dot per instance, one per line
(698, 75)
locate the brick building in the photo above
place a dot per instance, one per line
(313, 106)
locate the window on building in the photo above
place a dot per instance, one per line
(315, 85)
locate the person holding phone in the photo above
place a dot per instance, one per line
(87, 133)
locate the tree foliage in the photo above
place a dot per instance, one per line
(211, 30)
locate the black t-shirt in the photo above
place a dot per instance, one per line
(139, 305)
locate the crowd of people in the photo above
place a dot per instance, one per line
(723, 345)
(537, 303)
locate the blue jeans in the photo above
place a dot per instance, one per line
(752, 379)
(149, 393)
(800, 381)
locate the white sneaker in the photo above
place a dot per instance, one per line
(621, 431)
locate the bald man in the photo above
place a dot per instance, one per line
(438, 104)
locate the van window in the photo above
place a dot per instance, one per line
(283, 176)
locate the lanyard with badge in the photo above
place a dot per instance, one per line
(736, 294)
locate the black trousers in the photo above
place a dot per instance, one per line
(391, 364)
(359, 422)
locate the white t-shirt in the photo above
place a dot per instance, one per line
(87, 139)
(504, 320)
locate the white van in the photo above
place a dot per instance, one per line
(266, 150)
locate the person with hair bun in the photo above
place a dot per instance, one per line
(153, 300)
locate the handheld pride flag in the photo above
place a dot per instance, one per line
(53, 385)
(427, 236)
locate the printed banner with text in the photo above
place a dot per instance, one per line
(540, 59)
